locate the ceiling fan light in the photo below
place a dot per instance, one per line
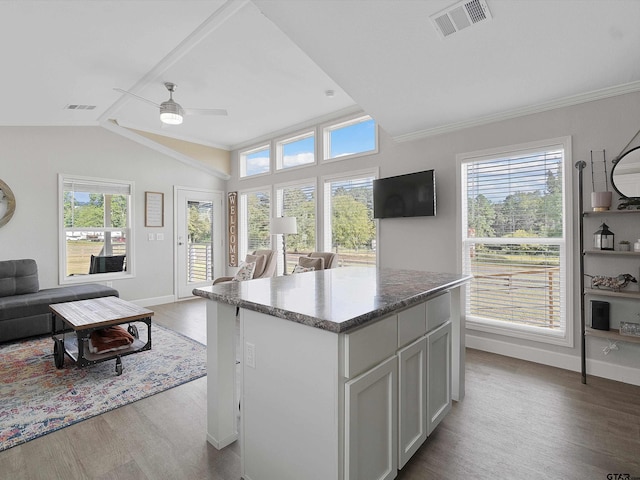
(171, 113)
(171, 118)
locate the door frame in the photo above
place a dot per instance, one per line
(218, 236)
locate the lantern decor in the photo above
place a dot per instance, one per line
(603, 239)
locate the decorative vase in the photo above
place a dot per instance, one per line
(601, 201)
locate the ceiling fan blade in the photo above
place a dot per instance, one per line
(205, 111)
(138, 97)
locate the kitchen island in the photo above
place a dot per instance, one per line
(343, 372)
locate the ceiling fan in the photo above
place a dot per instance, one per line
(172, 112)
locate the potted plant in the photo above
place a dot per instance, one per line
(624, 245)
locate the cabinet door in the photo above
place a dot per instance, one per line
(371, 428)
(412, 399)
(438, 375)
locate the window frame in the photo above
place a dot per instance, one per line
(242, 160)
(532, 333)
(325, 242)
(329, 127)
(65, 279)
(292, 138)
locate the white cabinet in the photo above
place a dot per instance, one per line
(371, 426)
(438, 375)
(412, 399)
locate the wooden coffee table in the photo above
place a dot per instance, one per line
(78, 319)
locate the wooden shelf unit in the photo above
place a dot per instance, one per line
(612, 334)
(585, 290)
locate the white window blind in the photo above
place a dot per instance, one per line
(255, 212)
(514, 240)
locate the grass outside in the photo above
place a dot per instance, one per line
(79, 254)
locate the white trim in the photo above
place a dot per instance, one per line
(147, 142)
(521, 112)
(565, 361)
(566, 244)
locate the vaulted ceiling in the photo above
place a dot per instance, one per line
(270, 63)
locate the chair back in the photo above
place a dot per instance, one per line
(330, 258)
(270, 264)
(111, 263)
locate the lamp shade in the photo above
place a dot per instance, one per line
(280, 225)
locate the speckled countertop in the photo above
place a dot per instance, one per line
(337, 299)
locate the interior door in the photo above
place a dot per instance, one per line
(198, 238)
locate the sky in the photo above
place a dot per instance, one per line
(355, 138)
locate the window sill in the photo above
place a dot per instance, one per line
(534, 334)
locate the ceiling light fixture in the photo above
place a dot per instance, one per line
(171, 112)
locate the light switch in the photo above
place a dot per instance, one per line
(160, 236)
(251, 355)
(151, 237)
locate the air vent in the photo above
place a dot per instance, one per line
(79, 107)
(460, 16)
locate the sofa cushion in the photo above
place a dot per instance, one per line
(18, 277)
(38, 303)
(315, 263)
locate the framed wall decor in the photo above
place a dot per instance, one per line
(7, 203)
(153, 209)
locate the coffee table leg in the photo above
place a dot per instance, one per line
(58, 352)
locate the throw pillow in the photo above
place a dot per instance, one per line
(316, 263)
(260, 261)
(301, 269)
(245, 272)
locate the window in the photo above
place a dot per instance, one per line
(255, 212)
(357, 136)
(296, 151)
(95, 228)
(299, 201)
(515, 238)
(255, 162)
(349, 228)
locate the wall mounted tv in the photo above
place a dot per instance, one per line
(410, 195)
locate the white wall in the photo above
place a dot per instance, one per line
(31, 159)
(428, 243)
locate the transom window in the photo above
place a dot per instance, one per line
(357, 136)
(95, 228)
(256, 161)
(296, 151)
(515, 237)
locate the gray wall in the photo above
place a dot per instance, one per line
(31, 159)
(429, 243)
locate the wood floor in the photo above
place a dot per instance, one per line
(518, 421)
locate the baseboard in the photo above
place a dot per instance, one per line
(565, 361)
(147, 302)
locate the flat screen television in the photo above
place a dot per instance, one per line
(410, 195)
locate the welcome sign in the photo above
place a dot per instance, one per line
(233, 229)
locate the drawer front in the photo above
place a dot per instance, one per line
(438, 310)
(411, 324)
(369, 345)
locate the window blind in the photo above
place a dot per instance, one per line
(514, 238)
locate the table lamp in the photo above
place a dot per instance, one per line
(282, 226)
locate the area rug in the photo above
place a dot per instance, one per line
(36, 398)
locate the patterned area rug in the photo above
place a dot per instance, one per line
(36, 398)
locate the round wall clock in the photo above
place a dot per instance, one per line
(7, 203)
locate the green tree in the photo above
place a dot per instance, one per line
(351, 222)
(258, 206)
(481, 216)
(199, 224)
(301, 205)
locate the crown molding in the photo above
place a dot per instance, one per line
(521, 112)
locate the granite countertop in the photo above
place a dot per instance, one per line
(336, 299)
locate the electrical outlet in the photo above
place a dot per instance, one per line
(250, 353)
(109, 284)
(160, 236)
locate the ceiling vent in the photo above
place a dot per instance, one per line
(460, 16)
(79, 107)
